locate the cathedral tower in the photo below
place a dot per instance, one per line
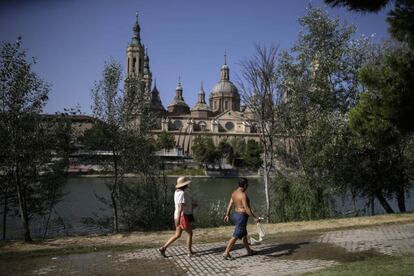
(135, 53)
(138, 59)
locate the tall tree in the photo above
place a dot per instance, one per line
(34, 150)
(108, 109)
(383, 121)
(261, 95)
(320, 79)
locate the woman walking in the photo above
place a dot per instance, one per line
(182, 215)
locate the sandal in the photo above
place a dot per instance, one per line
(162, 251)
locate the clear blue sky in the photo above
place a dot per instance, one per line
(72, 38)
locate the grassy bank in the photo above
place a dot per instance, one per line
(125, 241)
(378, 266)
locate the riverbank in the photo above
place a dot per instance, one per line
(173, 173)
(135, 240)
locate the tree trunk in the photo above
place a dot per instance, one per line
(384, 203)
(266, 184)
(114, 194)
(22, 205)
(5, 213)
(115, 211)
(401, 199)
(372, 202)
(52, 203)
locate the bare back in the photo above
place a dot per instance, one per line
(239, 198)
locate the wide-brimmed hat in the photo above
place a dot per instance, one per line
(182, 181)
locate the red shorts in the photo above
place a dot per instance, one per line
(184, 223)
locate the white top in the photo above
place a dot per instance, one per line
(181, 197)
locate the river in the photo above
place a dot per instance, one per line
(80, 202)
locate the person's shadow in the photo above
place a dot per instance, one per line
(269, 250)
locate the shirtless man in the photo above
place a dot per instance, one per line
(242, 212)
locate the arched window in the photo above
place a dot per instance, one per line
(134, 63)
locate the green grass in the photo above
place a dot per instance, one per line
(188, 171)
(378, 266)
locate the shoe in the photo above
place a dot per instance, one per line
(228, 258)
(192, 254)
(252, 253)
(162, 251)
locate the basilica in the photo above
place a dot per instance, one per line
(222, 117)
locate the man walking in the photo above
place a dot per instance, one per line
(241, 203)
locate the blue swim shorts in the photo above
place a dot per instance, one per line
(240, 222)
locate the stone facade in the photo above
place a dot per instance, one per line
(222, 118)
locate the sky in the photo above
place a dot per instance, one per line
(72, 39)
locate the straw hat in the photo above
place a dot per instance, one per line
(182, 181)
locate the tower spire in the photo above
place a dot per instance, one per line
(136, 39)
(225, 71)
(201, 95)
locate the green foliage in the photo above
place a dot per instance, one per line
(359, 5)
(401, 21)
(296, 199)
(389, 105)
(205, 151)
(382, 123)
(320, 76)
(34, 148)
(226, 151)
(165, 140)
(252, 154)
(147, 203)
(400, 18)
(122, 127)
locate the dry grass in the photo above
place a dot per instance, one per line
(151, 239)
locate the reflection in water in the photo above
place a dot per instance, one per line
(212, 195)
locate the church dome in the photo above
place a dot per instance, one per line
(224, 95)
(225, 87)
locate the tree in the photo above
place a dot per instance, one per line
(108, 109)
(262, 97)
(226, 151)
(205, 151)
(252, 155)
(146, 201)
(238, 145)
(165, 141)
(400, 19)
(35, 148)
(383, 122)
(358, 5)
(319, 77)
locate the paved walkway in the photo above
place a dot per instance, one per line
(388, 240)
(274, 258)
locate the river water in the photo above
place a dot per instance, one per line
(80, 201)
